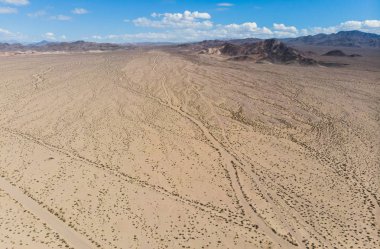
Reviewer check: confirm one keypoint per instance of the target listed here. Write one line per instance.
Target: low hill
(335, 52)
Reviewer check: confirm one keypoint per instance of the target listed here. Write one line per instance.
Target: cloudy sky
(180, 20)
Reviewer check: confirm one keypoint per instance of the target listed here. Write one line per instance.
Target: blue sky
(181, 20)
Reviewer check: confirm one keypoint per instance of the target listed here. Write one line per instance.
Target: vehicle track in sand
(267, 193)
(229, 161)
(296, 234)
(227, 216)
(240, 163)
(72, 237)
(39, 78)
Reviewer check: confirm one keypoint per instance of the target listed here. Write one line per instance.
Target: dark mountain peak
(41, 43)
(232, 49)
(357, 33)
(273, 44)
(350, 32)
(79, 42)
(271, 41)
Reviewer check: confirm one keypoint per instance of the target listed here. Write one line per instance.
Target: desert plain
(158, 148)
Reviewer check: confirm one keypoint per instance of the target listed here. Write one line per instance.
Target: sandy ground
(155, 149)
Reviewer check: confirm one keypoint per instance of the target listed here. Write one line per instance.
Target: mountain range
(341, 39)
(77, 46)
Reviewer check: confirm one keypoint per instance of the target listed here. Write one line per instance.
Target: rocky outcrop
(270, 50)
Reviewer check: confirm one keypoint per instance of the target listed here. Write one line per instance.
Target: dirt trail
(229, 161)
(235, 154)
(235, 161)
(70, 236)
(213, 211)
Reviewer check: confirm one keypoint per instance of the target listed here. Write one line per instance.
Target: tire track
(226, 215)
(39, 78)
(73, 238)
(230, 162)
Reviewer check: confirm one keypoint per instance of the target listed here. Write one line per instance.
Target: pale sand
(150, 149)
(73, 238)
(19, 228)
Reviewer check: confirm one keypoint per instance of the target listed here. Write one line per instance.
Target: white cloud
(198, 25)
(49, 36)
(61, 18)
(372, 23)
(36, 14)
(247, 26)
(225, 4)
(371, 26)
(141, 37)
(79, 11)
(190, 34)
(188, 26)
(15, 2)
(283, 27)
(247, 29)
(5, 32)
(366, 26)
(317, 30)
(351, 25)
(7, 35)
(231, 31)
(8, 10)
(186, 15)
(281, 30)
(186, 19)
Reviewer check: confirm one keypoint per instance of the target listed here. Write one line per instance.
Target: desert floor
(159, 149)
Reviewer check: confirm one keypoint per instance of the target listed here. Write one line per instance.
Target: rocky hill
(270, 50)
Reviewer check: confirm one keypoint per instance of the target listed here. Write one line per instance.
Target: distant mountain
(214, 43)
(341, 39)
(270, 50)
(77, 46)
(153, 44)
(41, 43)
(244, 41)
(11, 47)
